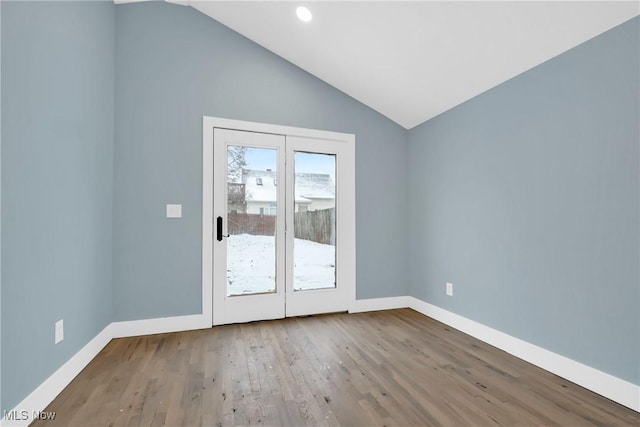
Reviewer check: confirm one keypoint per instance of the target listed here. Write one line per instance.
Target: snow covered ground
(251, 264)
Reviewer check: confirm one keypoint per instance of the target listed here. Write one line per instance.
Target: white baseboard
(376, 304)
(161, 325)
(52, 386)
(614, 388)
(607, 385)
(42, 396)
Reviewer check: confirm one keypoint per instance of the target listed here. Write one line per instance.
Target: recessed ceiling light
(304, 14)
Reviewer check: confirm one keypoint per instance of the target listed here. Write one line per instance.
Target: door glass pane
(314, 248)
(252, 201)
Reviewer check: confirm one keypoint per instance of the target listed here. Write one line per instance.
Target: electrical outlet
(450, 289)
(59, 331)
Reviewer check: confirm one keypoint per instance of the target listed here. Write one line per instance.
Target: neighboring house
(313, 191)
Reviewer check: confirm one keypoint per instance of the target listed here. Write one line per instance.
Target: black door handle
(219, 228)
(219, 234)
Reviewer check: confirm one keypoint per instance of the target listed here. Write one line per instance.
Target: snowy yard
(251, 264)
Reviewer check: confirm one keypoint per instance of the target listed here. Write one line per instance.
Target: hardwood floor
(382, 368)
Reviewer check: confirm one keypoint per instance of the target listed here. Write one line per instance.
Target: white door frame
(347, 184)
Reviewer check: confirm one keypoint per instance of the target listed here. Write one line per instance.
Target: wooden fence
(317, 226)
(255, 224)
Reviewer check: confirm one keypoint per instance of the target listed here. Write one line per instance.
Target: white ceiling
(411, 61)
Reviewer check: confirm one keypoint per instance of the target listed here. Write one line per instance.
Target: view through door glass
(314, 251)
(252, 204)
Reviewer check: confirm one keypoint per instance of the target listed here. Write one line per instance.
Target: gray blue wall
(57, 179)
(1, 406)
(527, 199)
(174, 65)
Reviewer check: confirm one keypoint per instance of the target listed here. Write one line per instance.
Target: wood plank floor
(386, 368)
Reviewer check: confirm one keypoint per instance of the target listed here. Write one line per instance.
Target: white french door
(317, 278)
(283, 225)
(249, 246)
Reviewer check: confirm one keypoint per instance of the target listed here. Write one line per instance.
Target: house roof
(315, 186)
(308, 186)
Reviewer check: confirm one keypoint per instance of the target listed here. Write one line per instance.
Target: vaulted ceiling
(413, 60)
